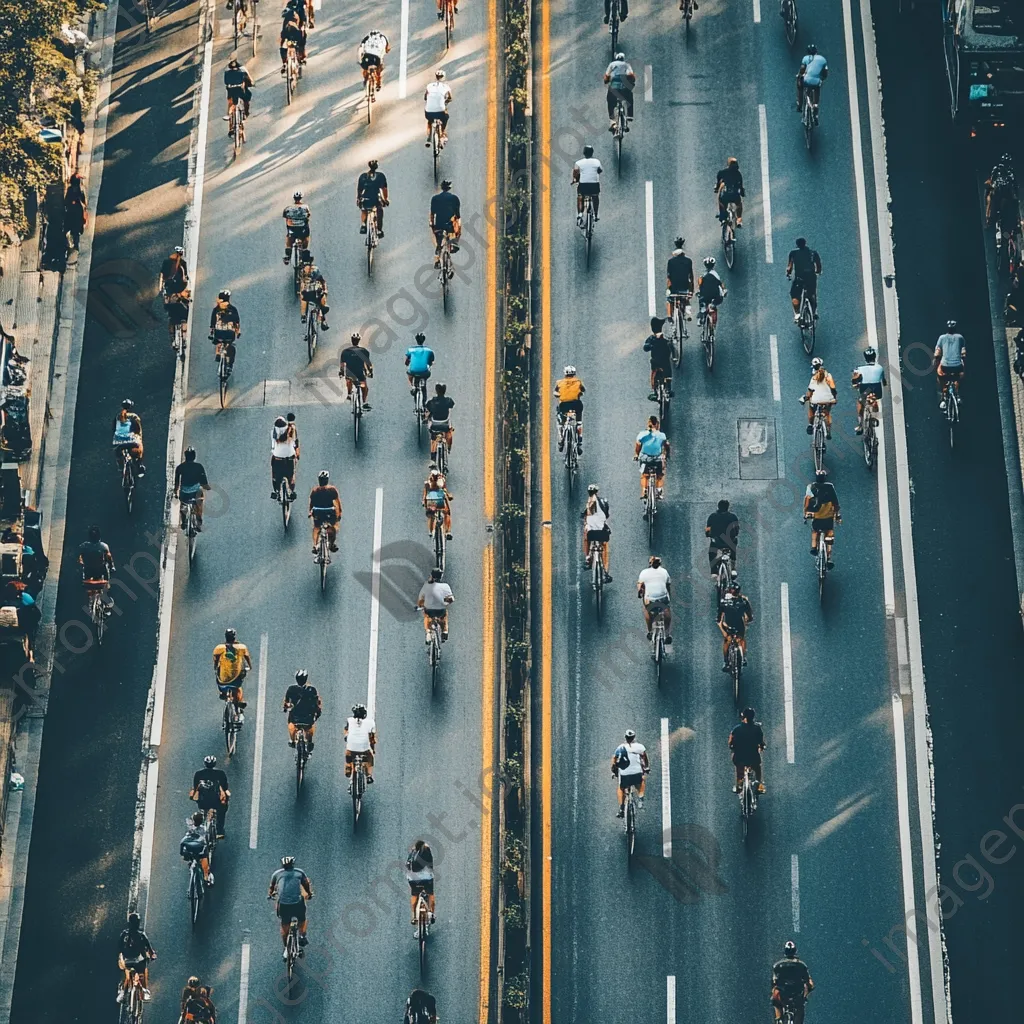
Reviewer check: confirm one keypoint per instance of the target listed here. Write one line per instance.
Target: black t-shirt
(324, 497)
(236, 78)
(290, 32)
(660, 349)
(95, 557)
(440, 408)
(175, 275)
(735, 611)
(421, 1005)
(224, 315)
(725, 528)
(371, 185)
(419, 860)
(190, 474)
(805, 263)
(680, 273)
(209, 782)
(747, 740)
(133, 945)
(354, 360)
(444, 206)
(305, 702)
(790, 976)
(731, 178)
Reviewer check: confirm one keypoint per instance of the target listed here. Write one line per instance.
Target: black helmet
(679, 242)
(287, 862)
(821, 476)
(436, 575)
(373, 165)
(127, 404)
(94, 533)
(440, 387)
(197, 819)
(657, 323)
(359, 711)
(748, 714)
(790, 949)
(323, 477)
(812, 49)
(354, 339)
(302, 677)
(307, 257)
(279, 422)
(801, 242)
(445, 185)
(134, 921)
(630, 735)
(950, 325)
(588, 152)
(234, 65)
(190, 454)
(210, 761)
(225, 295)
(230, 636)
(870, 354)
(420, 338)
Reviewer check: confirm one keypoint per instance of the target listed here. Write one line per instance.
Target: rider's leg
(605, 555)
(830, 537)
(643, 485)
(815, 540)
(739, 211)
(332, 536)
(860, 415)
(448, 524)
(200, 502)
(659, 480)
(668, 625)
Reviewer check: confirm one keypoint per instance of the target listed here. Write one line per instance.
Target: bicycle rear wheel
(255, 21)
(630, 826)
(449, 24)
(736, 670)
(791, 21)
(434, 655)
(822, 568)
(229, 727)
(195, 894)
(422, 939)
(729, 244)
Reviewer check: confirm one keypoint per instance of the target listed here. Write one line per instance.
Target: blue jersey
(813, 67)
(651, 443)
(420, 358)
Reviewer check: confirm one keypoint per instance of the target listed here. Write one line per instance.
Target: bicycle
(806, 321)
(819, 437)
(723, 572)
(190, 526)
(224, 368)
(312, 330)
(708, 324)
(210, 831)
(357, 786)
(230, 722)
(619, 133)
(596, 565)
(821, 560)
(128, 477)
(748, 800)
(196, 889)
(301, 758)
(435, 136)
(422, 927)
(372, 237)
(734, 659)
(449, 31)
(586, 224)
(629, 822)
(371, 93)
(240, 18)
(809, 118)
(676, 330)
(663, 394)
(729, 234)
(444, 270)
(687, 10)
(356, 398)
(178, 341)
(951, 396)
(658, 643)
(569, 444)
(441, 453)
(419, 405)
(869, 431)
(291, 948)
(297, 254)
(237, 131)
(434, 640)
(789, 18)
(650, 468)
(613, 24)
(439, 538)
(255, 23)
(98, 609)
(133, 1003)
(293, 71)
(323, 556)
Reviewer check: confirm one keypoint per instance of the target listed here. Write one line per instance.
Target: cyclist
(225, 327)
(438, 414)
(630, 764)
(372, 194)
(325, 510)
(418, 360)
(436, 98)
(623, 10)
(176, 306)
(710, 289)
(868, 379)
(296, 230)
(569, 391)
(734, 615)
(199, 1008)
(950, 359)
(437, 498)
(803, 269)
(189, 483)
(292, 34)
(1000, 186)
(434, 598)
(360, 738)
(231, 663)
(420, 1008)
(791, 984)
(652, 450)
(445, 218)
(291, 887)
(620, 79)
(746, 741)
(173, 273)
(679, 278)
(210, 790)
(312, 289)
(586, 176)
(134, 953)
(654, 588)
(193, 845)
(127, 429)
(821, 391)
(372, 48)
(419, 873)
(356, 368)
(97, 564)
(821, 506)
(189, 992)
(596, 528)
(729, 189)
(722, 530)
(813, 71)
(304, 707)
(284, 454)
(660, 349)
(238, 84)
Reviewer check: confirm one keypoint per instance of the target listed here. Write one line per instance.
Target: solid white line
(773, 344)
(371, 682)
(403, 52)
(794, 876)
(671, 999)
(757, 12)
(666, 795)
(648, 83)
(907, 859)
(243, 984)
(787, 677)
(649, 195)
(766, 191)
(148, 832)
(257, 740)
(925, 801)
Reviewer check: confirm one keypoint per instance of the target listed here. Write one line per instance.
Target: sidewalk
(45, 311)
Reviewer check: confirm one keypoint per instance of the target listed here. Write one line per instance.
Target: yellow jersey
(569, 389)
(230, 663)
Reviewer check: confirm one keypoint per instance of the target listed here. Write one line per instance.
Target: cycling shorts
(629, 781)
(286, 911)
(323, 516)
(418, 885)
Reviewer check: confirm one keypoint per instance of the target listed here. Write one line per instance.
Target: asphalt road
(710, 915)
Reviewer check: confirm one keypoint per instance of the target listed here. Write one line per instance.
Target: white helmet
(570, 371)
(439, 74)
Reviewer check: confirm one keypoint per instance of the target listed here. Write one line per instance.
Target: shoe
(367, 407)
(303, 941)
(648, 634)
(362, 229)
(607, 577)
(426, 145)
(284, 954)
(830, 564)
(369, 780)
(620, 813)
(725, 668)
(858, 430)
(596, 218)
(287, 260)
(241, 718)
(739, 223)
(120, 995)
(828, 433)
(209, 880)
(146, 995)
(660, 492)
(561, 446)
(624, 17)
(579, 220)
(437, 264)
(141, 471)
(273, 496)
(444, 638)
(735, 789)
(440, 17)
(291, 743)
(380, 234)
(226, 117)
(284, 70)
(760, 787)
(216, 357)
(611, 127)
(302, 318)
(292, 496)
(334, 547)
(455, 248)
(810, 429)
(640, 803)
(942, 405)
(668, 641)
(744, 661)
(325, 326)
(447, 536)
(652, 397)
(311, 746)
(606, 19)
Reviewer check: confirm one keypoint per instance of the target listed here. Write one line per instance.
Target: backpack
(622, 758)
(1018, 359)
(192, 847)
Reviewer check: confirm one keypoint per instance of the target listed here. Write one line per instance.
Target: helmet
(570, 371)
(230, 636)
(420, 338)
(812, 49)
(445, 185)
(190, 454)
(297, 196)
(440, 387)
(359, 711)
(127, 405)
(821, 476)
(817, 363)
(287, 862)
(592, 489)
(950, 325)
(630, 735)
(435, 575)
(732, 161)
(307, 258)
(654, 561)
(439, 75)
(134, 921)
(373, 165)
(279, 422)
(179, 250)
(322, 477)
(210, 761)
(197, 819)
(679, 242)
(354, 338)
(657, 323)
(440, 479)
(790, 949)
(801, 242)
(94, 533)
(870, 354)
(620, 56)
(709, 262)
(588, 151)
(193, 981)
(224, 296)
(748, 714)
(302, 677)
(233, 64)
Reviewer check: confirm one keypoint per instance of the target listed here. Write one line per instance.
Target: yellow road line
(487, 704)
(545, 490)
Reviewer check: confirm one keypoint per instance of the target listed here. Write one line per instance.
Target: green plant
(512, 772)
(515, 991)
(515, 853)
(514, 915)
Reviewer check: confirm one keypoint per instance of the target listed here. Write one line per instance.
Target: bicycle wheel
(597, 579)
(228, 725)
(652, 508)
(630, 826)
(289, 83)
(286, 507)
(292, 950)
(435, 142)
(822, 565)
(311, 335)
(442, 456)
(300, 761)
(322, 559)
(736, 671)
(357, 793)
(422, 937)
(236, 132)
(449, 24)
(222, 378)
(446, 268)
(790, 15)
(357, 412)
(808, 120)
(614, 28)
(369, 249)
(807, 324)
(128, 483)
(195, 893)
(434, 656)
(369, 96)
(192, 534)
(729, 244)
(439, 545)
(255, 20)
(952, 415)
(709, 348)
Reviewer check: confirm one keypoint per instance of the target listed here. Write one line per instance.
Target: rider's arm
(645, 761)
(666, 450)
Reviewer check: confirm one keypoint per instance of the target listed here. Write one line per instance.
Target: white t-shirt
(437, 97)
(282, 447)
(821, 393)
(633, 750)
(597, 520)
(655, 582)
(358, 739)
(376, 43)
(434, 596)
(590, 170)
